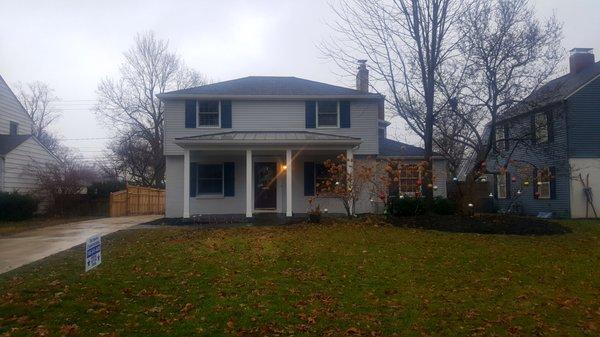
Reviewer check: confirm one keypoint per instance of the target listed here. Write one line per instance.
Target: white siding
(12, 110)
(584, 166)
(18, 166)
(275, 115)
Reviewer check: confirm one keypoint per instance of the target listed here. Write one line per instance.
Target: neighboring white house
(257, 144)
(19, 150)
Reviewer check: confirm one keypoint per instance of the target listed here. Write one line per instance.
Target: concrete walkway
(26, 247)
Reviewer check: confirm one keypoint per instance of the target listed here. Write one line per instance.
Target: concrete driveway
(26, 247)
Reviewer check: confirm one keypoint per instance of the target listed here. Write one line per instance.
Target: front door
(265, 185)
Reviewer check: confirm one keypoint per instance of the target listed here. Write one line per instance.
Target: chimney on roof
(580, 59)
(362, 77)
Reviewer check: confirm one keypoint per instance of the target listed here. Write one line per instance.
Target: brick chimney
(580, 59)
(362, 77)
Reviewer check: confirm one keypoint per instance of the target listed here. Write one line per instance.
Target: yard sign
(93, 252)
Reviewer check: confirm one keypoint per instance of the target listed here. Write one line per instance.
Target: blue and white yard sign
(93, 252)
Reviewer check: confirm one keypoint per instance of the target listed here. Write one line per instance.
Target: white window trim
(198, 126)
(541, 183)
(328, 126)
(210, 195)
(498, 186)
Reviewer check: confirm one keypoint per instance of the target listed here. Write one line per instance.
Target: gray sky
(73, 44)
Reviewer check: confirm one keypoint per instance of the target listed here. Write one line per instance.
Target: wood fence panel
(137, 200)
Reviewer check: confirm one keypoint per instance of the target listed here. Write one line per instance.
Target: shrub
(410, 206)
(443, 206)
(15, 206)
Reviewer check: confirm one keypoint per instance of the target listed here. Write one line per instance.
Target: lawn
(359, 278)
(14, 227)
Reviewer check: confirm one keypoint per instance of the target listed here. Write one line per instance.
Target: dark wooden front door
(265, 185)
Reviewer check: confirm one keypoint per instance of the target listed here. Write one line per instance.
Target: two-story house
(549, 142)
(257, 144)
(19, 150)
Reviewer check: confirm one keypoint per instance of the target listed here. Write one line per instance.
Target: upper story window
(209, 114)
(328, 114)
(14, 128)
(541, 128)
(502, 137)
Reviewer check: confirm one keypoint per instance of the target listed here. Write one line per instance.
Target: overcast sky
(73, 44)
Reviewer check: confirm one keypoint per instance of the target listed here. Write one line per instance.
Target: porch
(252, 173)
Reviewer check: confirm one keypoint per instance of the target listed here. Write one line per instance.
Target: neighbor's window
(210, 179)
(321, 178)
(501, 139)
(327, 114)
(14, 128)
(501, 185)
(541, 127)
(209, 114)
(544, 178)
(409, 179)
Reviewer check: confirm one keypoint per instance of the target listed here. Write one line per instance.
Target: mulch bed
(483, 224)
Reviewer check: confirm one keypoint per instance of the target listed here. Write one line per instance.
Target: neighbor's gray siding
(541, 155)
(275, 115)
(12, 110)
(584, 122)
(19, 165)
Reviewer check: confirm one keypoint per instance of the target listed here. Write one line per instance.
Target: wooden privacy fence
(137, 201)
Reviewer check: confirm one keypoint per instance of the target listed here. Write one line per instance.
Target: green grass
(336, 279)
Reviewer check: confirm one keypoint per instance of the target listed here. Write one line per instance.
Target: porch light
(283, 167)
(483, 180)
(539, 183)
(325, 210)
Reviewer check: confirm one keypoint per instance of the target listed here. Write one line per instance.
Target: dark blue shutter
(193, 179)
(535, 181)
(229, 179)
(190, 113)
(309, 178)
(226, 114)
(344, 114)
(311, 114)
(550, 126)
(553, 181)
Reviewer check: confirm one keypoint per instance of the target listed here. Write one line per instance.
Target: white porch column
(349, 170)
(186, 183)
(249, 183)
(288, 182)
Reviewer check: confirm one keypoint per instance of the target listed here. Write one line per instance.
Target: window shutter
(229, 179)
(309, 178)
(226, 114)
(495, 186)
(311, 114)
(193, 179)
(533, 135)
(552, 183)
(535, 181)
(550, 119)
(344, 114)
(507, 185)
(190, 113)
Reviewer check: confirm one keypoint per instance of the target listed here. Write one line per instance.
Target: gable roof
(268, 86)
(5, 85)
(11, 142)
(393, 148)
(555, 91)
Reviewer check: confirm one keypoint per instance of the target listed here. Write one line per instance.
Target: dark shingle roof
(269, 86)
(554, 91)
(9, 143)
(392, 148)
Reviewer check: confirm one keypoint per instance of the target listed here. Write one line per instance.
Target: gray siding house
(548, 141)
(19, 150)
(255, 144)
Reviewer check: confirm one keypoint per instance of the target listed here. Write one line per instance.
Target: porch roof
(268, 138)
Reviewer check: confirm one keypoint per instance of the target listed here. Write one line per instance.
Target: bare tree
(511, 53)
(129, 105)
(38, 99)
(408, 44)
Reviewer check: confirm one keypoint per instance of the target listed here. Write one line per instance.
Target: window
(409, 179)
(210, 179)
(14, 128)
(544, 177)
(501, 185)
(501, 137)
(209, 114)
(321, 178)
(328, 113)
(541, 128)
